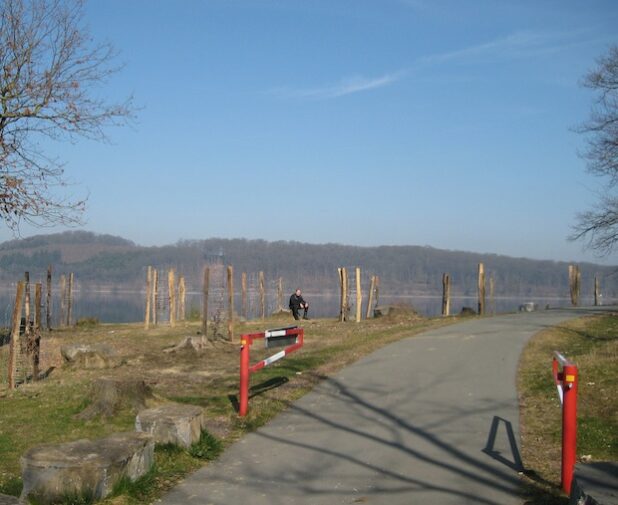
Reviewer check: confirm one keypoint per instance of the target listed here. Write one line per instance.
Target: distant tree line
(112, 261)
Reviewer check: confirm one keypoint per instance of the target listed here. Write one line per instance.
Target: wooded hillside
(105, 260)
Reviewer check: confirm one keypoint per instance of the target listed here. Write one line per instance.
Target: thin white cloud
(522, 44)
(348, 86)
(516, 45)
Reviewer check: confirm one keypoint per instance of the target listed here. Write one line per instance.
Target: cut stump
(172, 423)
(112, 395)
(87, 469)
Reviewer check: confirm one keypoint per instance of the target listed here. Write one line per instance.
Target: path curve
(431, 419)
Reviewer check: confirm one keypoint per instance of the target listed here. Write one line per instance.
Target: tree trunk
(205, 289)
(15, 324)
(171, 292)
(359, 295)
(481, 289)
(446, 294)
(230, 303)
(48, 306)
(148, 297)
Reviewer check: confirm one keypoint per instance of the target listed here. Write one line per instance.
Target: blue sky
(441, 123)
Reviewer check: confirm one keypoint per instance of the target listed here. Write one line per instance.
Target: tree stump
(112, 395)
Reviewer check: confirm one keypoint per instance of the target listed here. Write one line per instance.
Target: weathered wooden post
(578, 283)
(155, 296)
(372, 287)
(446, 294)
(230, 303)
(574, 280)
(262, 296)
(48, 305)
(597, 292)
(182, 298)
(481, 289)
(205, 289)
(359, 295)
(171, 293)
(15, 324)
(70, 300)
(279, 294)
(27, 326)
(148, 297)
(243, 295)
(36, 336)
(63, 300)
(344, 295)
(377, 290)
(492, 303)
(341, 312)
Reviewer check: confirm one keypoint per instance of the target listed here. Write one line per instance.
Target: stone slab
(595, 484)
(172, 423)
(10, 500)
(85, 467)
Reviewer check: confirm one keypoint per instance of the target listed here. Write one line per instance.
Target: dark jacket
(295, 301)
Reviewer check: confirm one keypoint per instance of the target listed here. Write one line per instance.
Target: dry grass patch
(592, 344)
(46, 412)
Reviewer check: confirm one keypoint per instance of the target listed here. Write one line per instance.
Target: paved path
(429, 420)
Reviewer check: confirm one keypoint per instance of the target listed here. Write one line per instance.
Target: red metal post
(569, 424)
(244, 377)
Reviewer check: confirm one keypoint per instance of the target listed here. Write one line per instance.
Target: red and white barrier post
(565, 377)
(292, 337)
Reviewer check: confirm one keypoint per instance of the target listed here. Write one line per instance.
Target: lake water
(125, 306)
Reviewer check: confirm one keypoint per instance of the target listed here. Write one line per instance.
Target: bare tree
(600, 224)
(50, 72)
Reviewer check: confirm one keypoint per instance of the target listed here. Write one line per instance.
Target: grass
(592, 344)
(45, 412)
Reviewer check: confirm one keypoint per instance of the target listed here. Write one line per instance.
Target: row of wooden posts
(177, 291)
(574, 288)
(30, 322)
(176, 295)
(344, 290)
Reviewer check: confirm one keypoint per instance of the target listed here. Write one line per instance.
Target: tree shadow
(259, 389)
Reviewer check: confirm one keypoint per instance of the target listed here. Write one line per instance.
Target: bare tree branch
(49, 73)
(599, 226)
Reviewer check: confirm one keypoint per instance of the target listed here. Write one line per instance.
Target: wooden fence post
(171, 293)
(446, 294)
(230, 303)
(15, 324)
(492, 303)
(148, 297)
(279, 294)
(359, 295)
(182, 298)
(243, 295)
(574, 283)
(340, 273)
(63, 300)
(597, 292)
(481, 289)
(344, 295)
(155, 296)
(377, 290)
(27, 326)
(48, 305)
(36, 336)
(262, 296)
(372, 287)
(70, 300)
(578, 282)
(205, 289)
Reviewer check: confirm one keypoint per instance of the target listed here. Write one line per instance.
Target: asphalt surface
(432, 419)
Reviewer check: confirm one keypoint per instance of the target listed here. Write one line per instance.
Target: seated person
(297, 303)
